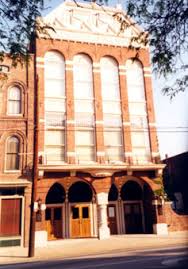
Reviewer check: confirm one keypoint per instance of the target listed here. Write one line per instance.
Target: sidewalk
(72, 248)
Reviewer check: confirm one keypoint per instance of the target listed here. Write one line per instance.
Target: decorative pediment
(90, 23)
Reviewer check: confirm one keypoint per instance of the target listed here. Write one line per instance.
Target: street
(171, 257)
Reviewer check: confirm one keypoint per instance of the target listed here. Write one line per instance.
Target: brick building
(98, 148)
(98, 152)
(16, 151)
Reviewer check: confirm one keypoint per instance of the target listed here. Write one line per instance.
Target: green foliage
(17, 25)
(167, 24)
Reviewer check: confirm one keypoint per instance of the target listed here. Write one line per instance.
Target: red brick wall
(175, 221)
(95, 52)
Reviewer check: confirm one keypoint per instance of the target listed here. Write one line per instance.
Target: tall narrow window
(113, 140)
(54, 107)
(14, 101)
(138, 112)
(12, 153)
(84, 108)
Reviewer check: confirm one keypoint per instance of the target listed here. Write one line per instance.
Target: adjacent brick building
(16, 150)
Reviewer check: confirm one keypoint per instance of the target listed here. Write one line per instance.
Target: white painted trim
(69, 62)
(99, 122)
(155, 154)
(68, 68)
(40, 66)
(147, 69)
(96, 70)
(128, 154)
(123, 67)
(96, 64)
(70, 121)
(40, 59)
(126, 123)
(100, 153)
(153, 124)
(122, 73)
(71, 153)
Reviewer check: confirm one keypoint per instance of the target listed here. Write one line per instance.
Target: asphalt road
(149, 259)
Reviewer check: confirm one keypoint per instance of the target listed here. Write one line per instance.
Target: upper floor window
(12, 153)
(14, 101)
(135, 81)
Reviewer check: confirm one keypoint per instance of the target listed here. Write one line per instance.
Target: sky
(171, 116)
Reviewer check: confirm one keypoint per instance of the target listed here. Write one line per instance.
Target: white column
(102, 201)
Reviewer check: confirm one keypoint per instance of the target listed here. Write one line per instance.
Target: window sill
(12, 171)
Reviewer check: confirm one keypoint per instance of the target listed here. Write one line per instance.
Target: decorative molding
(90, 23)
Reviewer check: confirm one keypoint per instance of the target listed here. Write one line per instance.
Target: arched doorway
(54, 214)
(80, 198)
(112, 209)
(132, 196)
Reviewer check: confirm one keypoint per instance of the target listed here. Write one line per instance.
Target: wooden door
(133, 218)
(10, 219)
(112, 220)
(80, 221)
(54, 223)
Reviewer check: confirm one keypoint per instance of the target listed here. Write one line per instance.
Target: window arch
(14, 100)
(84, 108)
(13, 153)
(54, 74)
(113, 140)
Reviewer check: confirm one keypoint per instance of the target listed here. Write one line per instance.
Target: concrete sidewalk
(77, 248)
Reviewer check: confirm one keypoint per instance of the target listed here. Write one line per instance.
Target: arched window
(54, 74)
(137, 111)
(14, 100)
(111, 109)
(84, 108)
(12, 153)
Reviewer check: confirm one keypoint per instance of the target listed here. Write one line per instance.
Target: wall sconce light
(38, 208)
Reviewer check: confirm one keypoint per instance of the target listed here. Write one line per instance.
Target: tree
(17, 25)
(167, 25)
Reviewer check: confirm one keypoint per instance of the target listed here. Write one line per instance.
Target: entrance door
(112, 222)
(80, 221)
(133, 218)
(54, 222)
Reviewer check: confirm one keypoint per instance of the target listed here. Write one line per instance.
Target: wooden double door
(80, 220)
(133, 218)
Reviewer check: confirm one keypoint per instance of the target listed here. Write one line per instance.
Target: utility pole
(31, 251)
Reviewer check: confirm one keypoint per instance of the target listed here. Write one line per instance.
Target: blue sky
(171, 116)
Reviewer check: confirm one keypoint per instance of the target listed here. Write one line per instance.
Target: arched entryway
(132, 207)
(54, 214)
(80, 196)
(112, 209)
